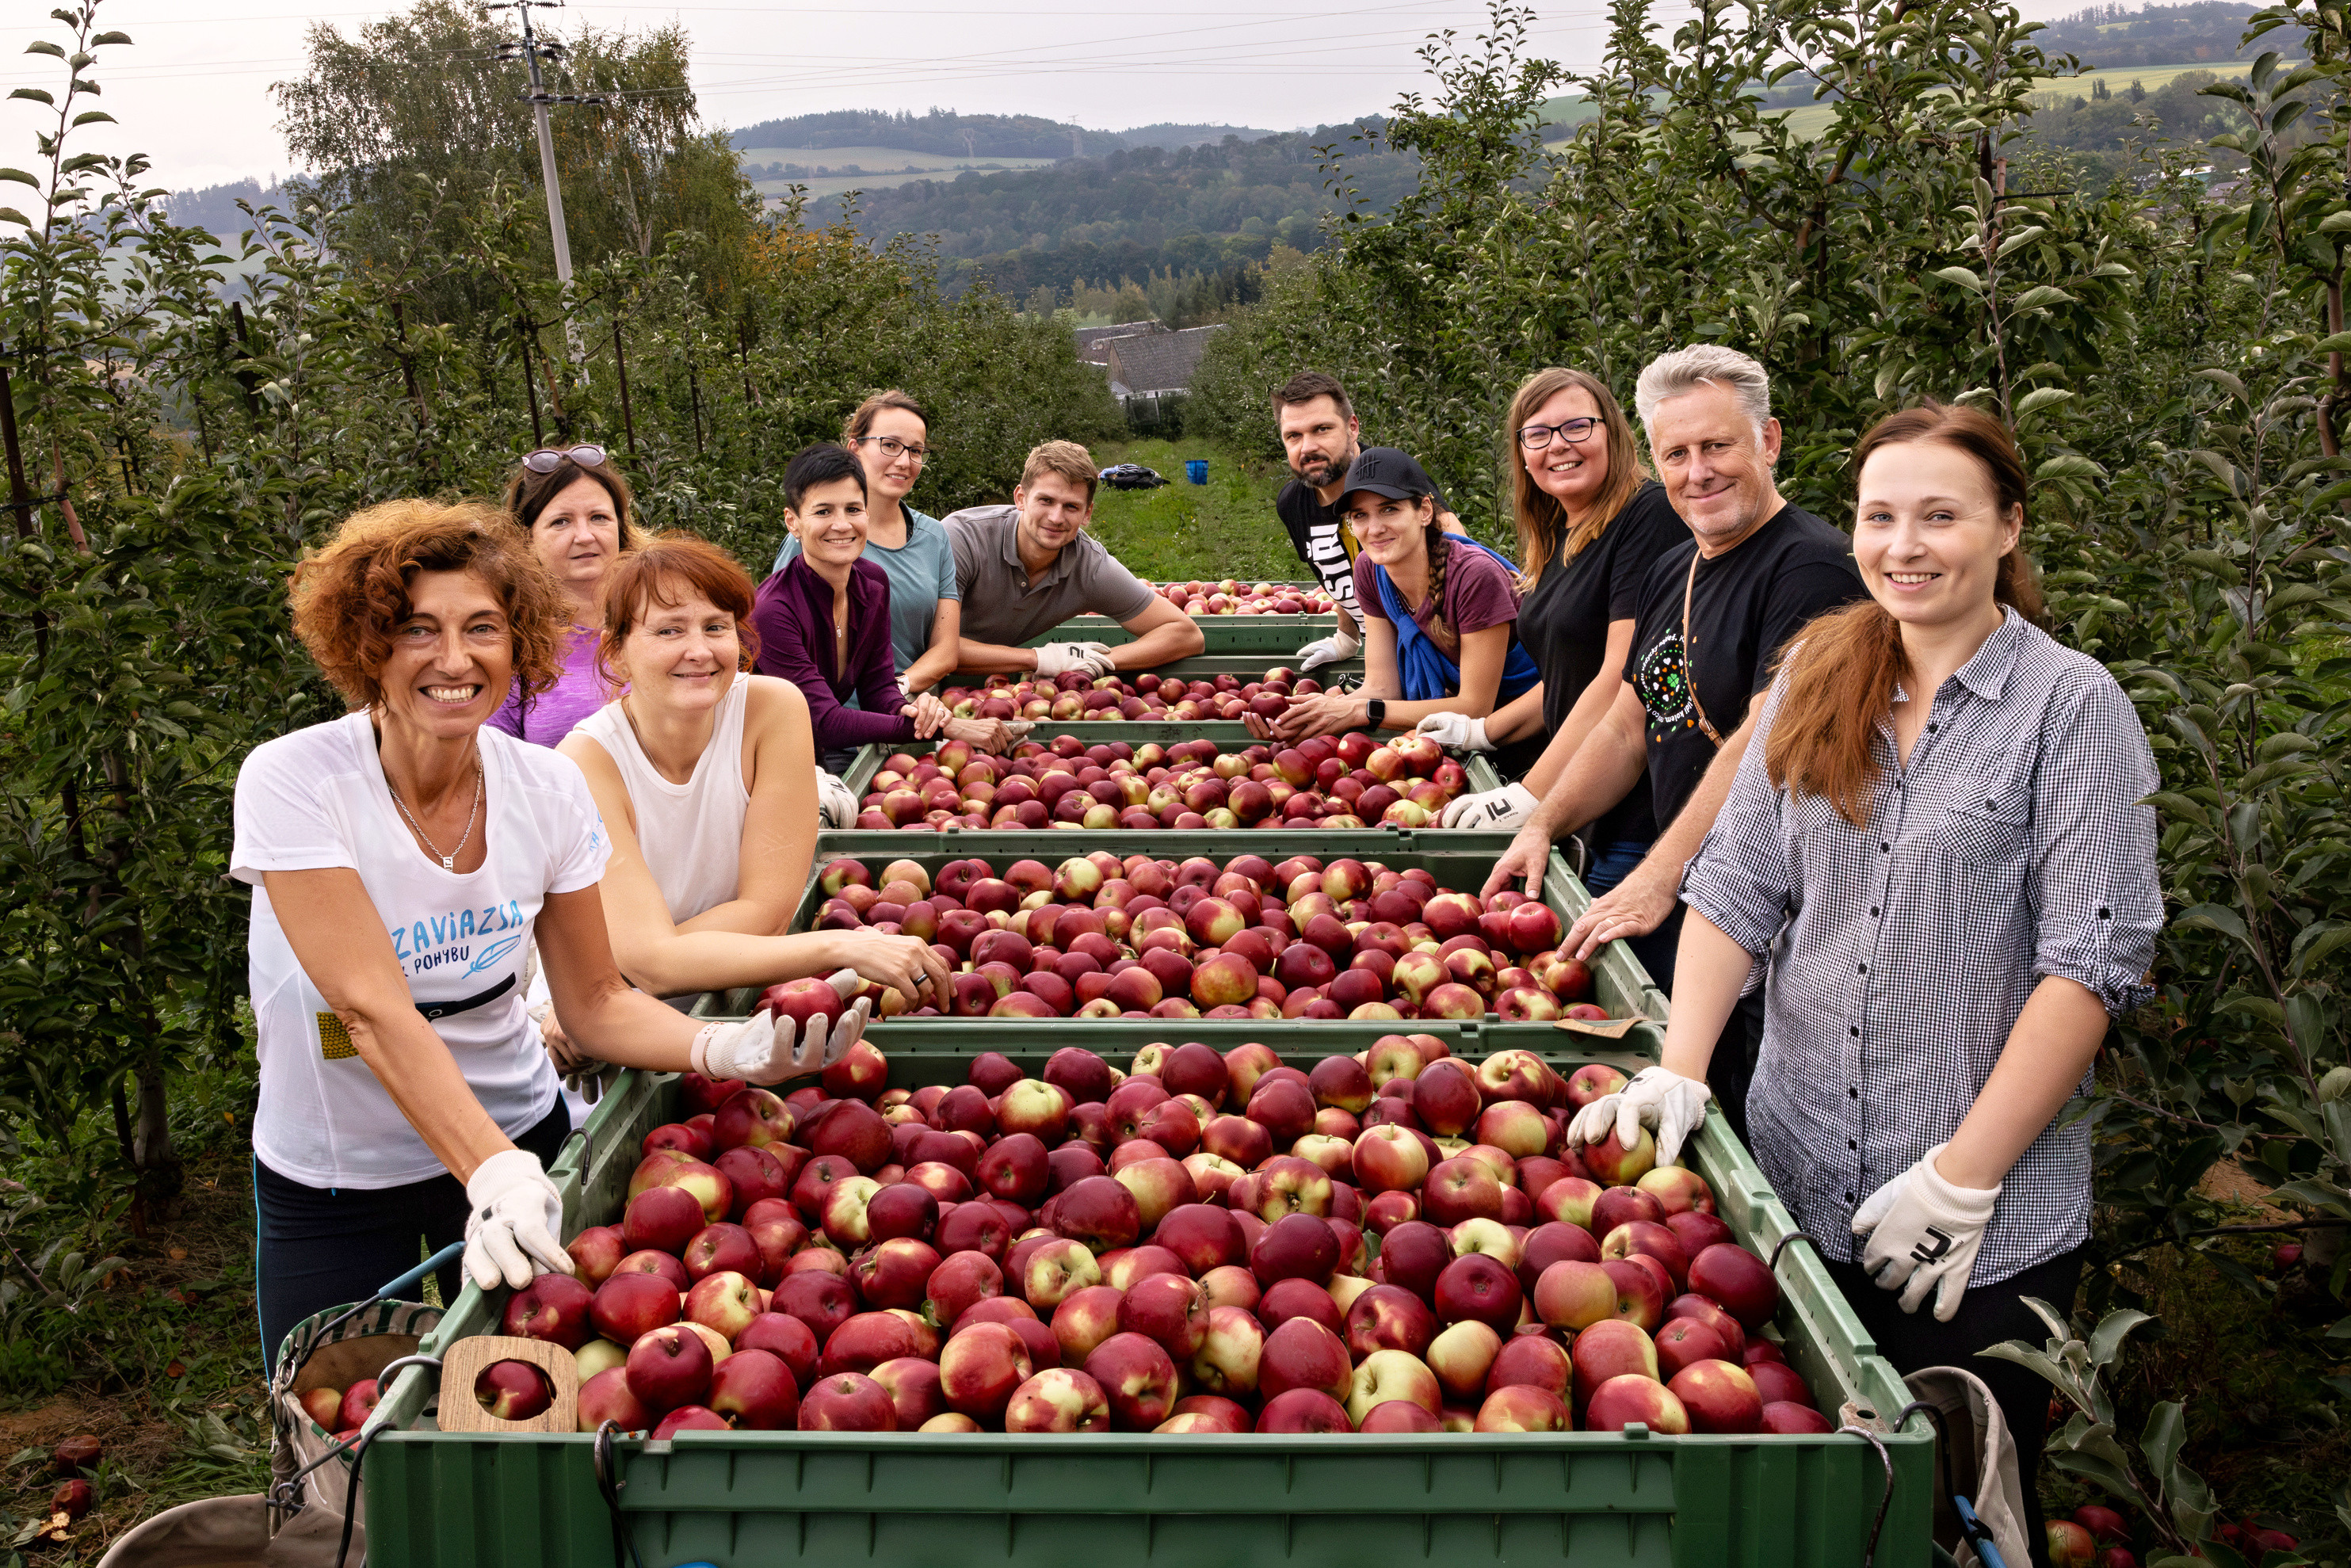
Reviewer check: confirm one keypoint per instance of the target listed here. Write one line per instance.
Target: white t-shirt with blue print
(318, 798)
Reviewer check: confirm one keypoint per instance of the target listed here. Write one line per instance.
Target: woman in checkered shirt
(1937, 861)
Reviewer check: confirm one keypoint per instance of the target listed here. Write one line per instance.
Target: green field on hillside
(1562, 115)
(895, 160)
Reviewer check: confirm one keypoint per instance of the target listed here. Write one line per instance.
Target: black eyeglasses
(892, 447)
(1535, 437)
(546, 459)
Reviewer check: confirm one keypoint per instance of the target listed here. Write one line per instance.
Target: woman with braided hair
(1440, 614)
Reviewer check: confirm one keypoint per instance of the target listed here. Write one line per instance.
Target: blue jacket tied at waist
(1426, 672)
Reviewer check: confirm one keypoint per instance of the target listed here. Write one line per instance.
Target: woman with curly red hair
(404, 857)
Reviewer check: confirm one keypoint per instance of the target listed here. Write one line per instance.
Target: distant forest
(215, 206)
(2111, 36)
(1131, 213)
(943, 131)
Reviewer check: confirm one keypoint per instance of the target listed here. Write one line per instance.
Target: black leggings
(316, 1248)
(1988, 1315)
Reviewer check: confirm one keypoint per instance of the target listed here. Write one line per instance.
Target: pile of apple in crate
(1102, 937)
(1394, 1241)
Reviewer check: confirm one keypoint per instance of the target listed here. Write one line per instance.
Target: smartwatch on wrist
(1375, 712)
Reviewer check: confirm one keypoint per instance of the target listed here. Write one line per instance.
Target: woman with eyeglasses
(1591, 523)
(578, 513)
(890, 434)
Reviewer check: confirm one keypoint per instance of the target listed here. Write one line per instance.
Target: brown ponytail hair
(1440, 550)
(1542, 520)
(1843, 667)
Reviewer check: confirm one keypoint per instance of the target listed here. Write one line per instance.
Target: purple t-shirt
(579, 691)
(1479, 592)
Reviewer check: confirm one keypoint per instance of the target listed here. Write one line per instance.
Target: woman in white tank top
(705, 776)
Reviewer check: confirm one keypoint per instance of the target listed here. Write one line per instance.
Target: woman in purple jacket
(824, 622)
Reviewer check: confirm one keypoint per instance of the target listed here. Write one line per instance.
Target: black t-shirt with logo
(1744, 606)
(1563, 621)
(1321, 540)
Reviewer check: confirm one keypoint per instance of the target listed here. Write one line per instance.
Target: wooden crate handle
(463, 1363)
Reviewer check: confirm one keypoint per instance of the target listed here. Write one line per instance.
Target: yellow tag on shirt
(334, 1040)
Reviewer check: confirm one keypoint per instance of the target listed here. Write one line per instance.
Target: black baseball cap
(1386, 471)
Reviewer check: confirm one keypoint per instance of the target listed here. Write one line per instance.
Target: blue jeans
(1613, 862)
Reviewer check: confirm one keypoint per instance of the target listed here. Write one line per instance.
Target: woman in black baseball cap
(1439, 614)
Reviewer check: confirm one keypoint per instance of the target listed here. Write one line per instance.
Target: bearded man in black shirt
(1713, 615)
(1321, 437)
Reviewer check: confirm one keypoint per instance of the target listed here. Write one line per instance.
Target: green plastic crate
(1254, 634)
(1248, 666)
(1229, 737)
(440, 1500)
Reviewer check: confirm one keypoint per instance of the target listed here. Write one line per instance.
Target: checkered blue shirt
(2016, 845)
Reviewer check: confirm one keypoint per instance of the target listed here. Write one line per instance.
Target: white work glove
(1017, 730)
(1923, 1235)
(836, 803)
(1062, 658)
(760, 1051)
(1657, 1098)
(1491, 811)
(1340, 645)
(513, 1212)
(1456, 729)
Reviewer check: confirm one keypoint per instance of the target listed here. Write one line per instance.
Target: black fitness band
(434, 1010)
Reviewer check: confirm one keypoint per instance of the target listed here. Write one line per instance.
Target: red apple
(1793, 1420)
(1740, 1281)
(847, 1402)
(1684, 1342)
(1302, 1353)
(630, 1305)
(1522, 1407)
(1170, 1308)
(786, 1338)
(1460, 1188)
(668, 1367)
(756, 1392)
(1478, 1287)
(1641, 1294)
(1058, 1399)
(553, 1307)
(1301, 1410)
(1461, 1357)
(606, 1397)
(1389, 1317)
(1726, 1327)
(1778, 1383)
(1608, 1349)
(981, 1367)
(1137, 1375)
(1623, 1401)
(1231, 1347)
(1718, 1398)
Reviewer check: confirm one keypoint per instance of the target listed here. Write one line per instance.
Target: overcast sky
(194, 93)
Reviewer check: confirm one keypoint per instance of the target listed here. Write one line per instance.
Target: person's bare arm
(1709, 972)
(993, 658)
(1591, 705)
(1483, 653)
(1521, 716)
(1163, 634)
(937, 662)
(603, 1018)
(1640, 904)
(338, 938)
(1606, 768)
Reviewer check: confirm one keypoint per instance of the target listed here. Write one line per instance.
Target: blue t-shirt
(922, 572)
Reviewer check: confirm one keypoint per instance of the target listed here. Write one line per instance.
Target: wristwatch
(1375, 712)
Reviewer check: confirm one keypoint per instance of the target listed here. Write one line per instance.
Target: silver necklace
(449, 861)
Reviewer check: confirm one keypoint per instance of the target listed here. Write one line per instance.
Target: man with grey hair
(1710, 618)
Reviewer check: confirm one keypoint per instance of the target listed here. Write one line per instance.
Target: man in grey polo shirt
(1027, 567)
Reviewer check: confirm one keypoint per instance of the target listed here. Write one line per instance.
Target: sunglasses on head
(547, 458)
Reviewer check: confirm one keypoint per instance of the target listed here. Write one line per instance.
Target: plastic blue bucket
(1195, 469)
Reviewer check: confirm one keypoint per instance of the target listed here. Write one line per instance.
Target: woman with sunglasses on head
(889, 434)
(1591, 523)
(580, 514)
(1939, 859)
(402, 860)
(1440, 613)
(705, 776)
